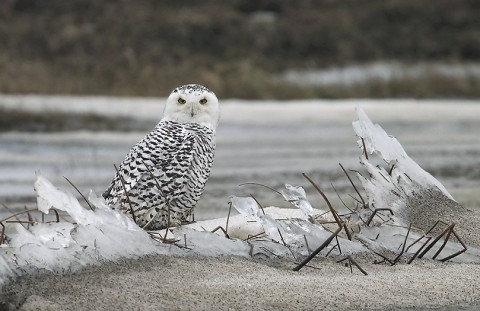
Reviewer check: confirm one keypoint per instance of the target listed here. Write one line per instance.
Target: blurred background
(82, 80)
(274, 49)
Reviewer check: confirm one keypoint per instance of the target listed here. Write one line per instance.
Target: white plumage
(165, 173)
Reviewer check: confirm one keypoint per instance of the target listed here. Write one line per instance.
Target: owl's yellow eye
(203, 101)
(181, 101)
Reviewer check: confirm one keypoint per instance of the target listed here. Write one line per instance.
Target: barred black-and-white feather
(165, 173)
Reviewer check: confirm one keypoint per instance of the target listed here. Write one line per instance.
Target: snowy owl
(164, 174)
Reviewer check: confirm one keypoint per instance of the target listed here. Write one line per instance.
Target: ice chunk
(248, 207)
(377, 140)
(296, 195)
(94, 236)
(50, 196)
(291, 232)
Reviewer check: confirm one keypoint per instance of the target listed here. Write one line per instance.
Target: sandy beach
(228, 283)
(167, 282)
(272, 154)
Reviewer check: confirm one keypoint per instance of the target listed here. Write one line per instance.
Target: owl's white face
(192, 103)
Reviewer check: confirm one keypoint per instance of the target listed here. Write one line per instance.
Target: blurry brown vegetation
(237, 48)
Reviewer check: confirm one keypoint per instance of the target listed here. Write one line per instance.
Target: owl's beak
(192, 112)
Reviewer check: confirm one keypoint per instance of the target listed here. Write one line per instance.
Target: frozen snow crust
(402, 204)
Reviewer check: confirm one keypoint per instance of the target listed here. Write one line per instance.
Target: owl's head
(192, 103)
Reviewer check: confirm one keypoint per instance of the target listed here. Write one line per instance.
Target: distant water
(271, 151)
